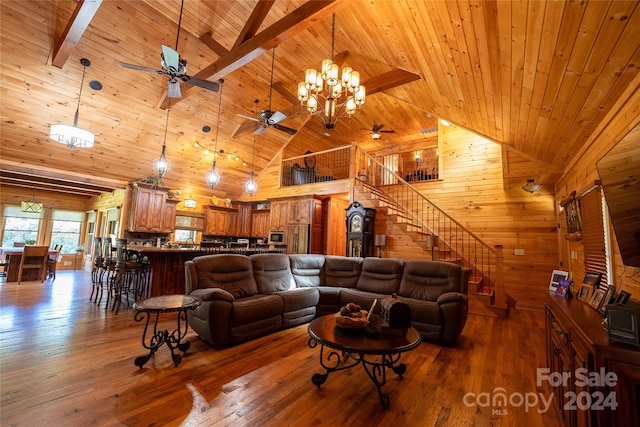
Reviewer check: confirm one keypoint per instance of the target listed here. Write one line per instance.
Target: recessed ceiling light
(95, 85)
(206, 128)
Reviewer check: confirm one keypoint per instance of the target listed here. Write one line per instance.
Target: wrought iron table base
(376, 370)
(160, 337)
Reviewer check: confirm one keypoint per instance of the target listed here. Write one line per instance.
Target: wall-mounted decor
(572, 215)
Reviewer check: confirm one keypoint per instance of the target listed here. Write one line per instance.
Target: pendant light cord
(273, 61)
(75, 118)
(221, 81)
(333, 35)
(166, 126)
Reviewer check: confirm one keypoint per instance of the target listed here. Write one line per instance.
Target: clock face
(356, 224)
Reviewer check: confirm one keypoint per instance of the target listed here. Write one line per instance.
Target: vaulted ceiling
(534, 76)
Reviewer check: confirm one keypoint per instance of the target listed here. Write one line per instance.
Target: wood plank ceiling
(534, 76)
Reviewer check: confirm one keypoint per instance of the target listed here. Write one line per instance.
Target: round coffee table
(347, 348)
(165, 304)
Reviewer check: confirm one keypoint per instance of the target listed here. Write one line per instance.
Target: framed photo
(556, 276)
(608, 299)
(591, 278)
(563, 288)
(585, 292)
(596, 298)
(623, 297)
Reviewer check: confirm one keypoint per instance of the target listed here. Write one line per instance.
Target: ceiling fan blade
(205, 84)
(288, 130)
(139, 68)
(260, 130)
(173, 89)
(276, 117)
(249, 118)
(387, 131)
(171, 59)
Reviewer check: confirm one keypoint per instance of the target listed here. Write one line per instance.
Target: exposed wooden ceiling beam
(212, 44)
(297, 21)
(82, 15)
(255, 20)
(389, 80)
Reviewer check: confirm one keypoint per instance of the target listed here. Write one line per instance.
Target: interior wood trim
(253, 23)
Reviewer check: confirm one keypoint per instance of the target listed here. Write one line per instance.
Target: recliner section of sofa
(240, 294)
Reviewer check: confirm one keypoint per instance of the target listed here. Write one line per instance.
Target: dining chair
(4, 265)
(34, 257)
(52, 262)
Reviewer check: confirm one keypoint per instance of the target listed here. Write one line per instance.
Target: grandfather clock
(360, 221)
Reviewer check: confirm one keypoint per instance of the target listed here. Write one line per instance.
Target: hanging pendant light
(333, 94)
(213, 177)
(73, 136)
(251, 185)
(161, 165)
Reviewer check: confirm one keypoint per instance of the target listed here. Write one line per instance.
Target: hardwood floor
(66, 361)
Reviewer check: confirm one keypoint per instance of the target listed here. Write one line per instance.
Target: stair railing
(433, 227)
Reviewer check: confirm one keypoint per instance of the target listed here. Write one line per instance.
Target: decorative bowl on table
(351, 316)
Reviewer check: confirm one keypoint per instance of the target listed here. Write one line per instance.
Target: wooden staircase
(424, 223)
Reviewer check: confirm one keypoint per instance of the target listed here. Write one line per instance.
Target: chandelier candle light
(342, 96)
(73, 136)
(213, 177)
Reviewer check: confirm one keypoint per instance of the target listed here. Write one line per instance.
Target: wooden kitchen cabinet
(151, 211)
(260, 223)
(278, 215)
(220, 221)
(578, 348)
(244, 220)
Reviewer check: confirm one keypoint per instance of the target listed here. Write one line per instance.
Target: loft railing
(435, 229)
(321, 166)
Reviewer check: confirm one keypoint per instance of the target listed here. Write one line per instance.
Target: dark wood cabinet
(602, 380)
(260, 223)
(360, 223)
(151, 211)
(244, 220)
(302, 220)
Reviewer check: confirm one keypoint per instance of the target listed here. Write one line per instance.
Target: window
(65, 230)
(184, 235)
(20, 226)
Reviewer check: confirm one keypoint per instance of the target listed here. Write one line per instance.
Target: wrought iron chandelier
(333, 96)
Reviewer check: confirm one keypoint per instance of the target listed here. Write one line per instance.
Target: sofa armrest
(454, 307)
(451, 297)
(213, 294)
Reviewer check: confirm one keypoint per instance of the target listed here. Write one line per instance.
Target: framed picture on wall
(623, 297)
(556, 277)
(572, 212)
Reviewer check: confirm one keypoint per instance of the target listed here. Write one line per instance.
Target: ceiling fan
(269, 118)
(175, 67)
(376, 130)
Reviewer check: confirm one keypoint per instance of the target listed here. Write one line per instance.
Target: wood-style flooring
(65, 361)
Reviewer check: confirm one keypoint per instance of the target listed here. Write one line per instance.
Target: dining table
(14, 255)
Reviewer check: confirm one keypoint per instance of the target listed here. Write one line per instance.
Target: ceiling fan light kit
(343, 95)
(73, 136)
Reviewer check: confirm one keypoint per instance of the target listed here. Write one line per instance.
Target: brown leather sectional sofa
(247, 297)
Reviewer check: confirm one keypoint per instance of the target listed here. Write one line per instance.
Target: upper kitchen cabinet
(151, 211)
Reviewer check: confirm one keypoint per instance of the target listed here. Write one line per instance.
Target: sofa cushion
(295, 299)
(425, 312)
(342, 271)
(255, 308)
(231, 272)
(380, 275)
(427, 280)
(271, 272)
(307, 269)
(362, 298)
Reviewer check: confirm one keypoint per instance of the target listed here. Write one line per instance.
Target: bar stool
(131, 277)
(107, 271)
(96, 268)
(52, 262)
